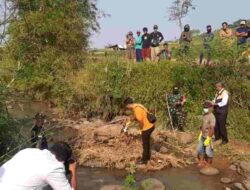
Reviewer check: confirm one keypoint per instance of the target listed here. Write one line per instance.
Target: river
(94, 178)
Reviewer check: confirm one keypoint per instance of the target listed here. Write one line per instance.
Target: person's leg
(158, 50)
(209, 55)
(223, 129)
(146, 144)
(201, 57)
(144, 54)
(153, 54)
(149, 54)
(174, 120)
(209, 153)
(140, 55)
(201, 152)
(137, 55)
(180, 121)
(217, 127)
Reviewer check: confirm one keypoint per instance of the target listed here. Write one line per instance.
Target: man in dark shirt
(242, 34)
(38, 138)
(146, 42)
(156, 39)
(185, 40)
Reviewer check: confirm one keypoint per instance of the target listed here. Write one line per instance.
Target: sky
(133, 15)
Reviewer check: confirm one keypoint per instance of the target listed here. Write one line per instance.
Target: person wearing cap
(185, 40)
(221, 105)
(140, 114)
(38, 137)
(146, 43)
(156, 39)
(130, 43)
(138, 47)
(165, 53)
(205, 147)
(242, 34)
(33, 169)
(176, 102)
(207, 47)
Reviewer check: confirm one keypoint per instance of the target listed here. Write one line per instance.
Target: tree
(179, 10)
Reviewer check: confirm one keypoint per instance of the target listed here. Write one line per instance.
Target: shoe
(142, 162)
(224, 142)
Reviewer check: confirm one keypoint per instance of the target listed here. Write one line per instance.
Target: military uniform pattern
(176, 111)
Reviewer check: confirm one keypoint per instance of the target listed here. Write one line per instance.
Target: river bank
(99, 145)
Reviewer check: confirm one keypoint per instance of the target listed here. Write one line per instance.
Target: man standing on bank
(220, 103)
(141, 114)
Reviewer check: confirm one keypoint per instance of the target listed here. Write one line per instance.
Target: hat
(243, 22)
(138, 31)
(207, 104)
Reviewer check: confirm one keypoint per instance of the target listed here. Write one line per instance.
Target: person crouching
(205, 148)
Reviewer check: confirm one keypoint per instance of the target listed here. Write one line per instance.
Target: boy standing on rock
(205, 148)
(141, 114)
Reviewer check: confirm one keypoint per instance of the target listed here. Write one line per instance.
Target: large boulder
(245, 166)
(111, 187)
(152, 184)
(185, 138)
(209, 171)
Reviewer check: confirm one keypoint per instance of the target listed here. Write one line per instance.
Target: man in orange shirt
(141, 115)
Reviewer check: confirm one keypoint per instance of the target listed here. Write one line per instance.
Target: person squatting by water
(34, 169)
(221, 105)
(141, 114)
(38, 137)
(205, 147)
(176, 102)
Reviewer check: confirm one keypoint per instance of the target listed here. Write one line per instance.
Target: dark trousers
(146, 144)
(138, 53)
(220, 127)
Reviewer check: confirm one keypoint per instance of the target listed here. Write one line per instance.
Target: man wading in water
(146, 121)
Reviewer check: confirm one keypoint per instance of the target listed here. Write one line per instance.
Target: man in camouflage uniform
(176, 102)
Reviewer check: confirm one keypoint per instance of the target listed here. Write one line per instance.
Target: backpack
(151, 117)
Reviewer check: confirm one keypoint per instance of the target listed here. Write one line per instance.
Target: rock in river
(245, 166)
(209, 171)
(238, 186)
(226, 180)
(151, 184)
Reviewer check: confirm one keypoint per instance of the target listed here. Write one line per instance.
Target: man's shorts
(146, 53)
(205, 150)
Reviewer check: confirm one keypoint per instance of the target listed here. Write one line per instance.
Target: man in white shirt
(34, 169)
(220, 103)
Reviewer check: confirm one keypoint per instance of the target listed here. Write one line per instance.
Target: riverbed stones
(185, 138)
(247, 184)
(163, 150)
(111, 187)
(226, 180)
(245, 166)
(209, 171)
(233, 167)
(151, 184)
(238, 186)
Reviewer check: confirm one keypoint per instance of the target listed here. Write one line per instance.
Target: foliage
(130, 182)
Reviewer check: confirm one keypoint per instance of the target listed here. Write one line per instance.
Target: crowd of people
(213, 127)
(151, 46)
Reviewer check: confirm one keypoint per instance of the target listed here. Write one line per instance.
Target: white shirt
(223, 94)
(33, 169)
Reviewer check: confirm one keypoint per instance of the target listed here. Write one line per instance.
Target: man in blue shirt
(242, 34)
(138, 47)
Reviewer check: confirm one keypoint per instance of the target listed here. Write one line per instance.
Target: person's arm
(224, 100)
(57, 179)
(73, 170)
(161, 37)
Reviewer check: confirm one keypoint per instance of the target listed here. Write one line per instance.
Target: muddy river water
(95, 178)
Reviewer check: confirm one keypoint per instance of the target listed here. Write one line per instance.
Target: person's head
(138, 32)
(62, 151)
(165, 44)
(39, 119)
(130, 33)
(145, 30)
(207, 107)
(128, 102)
(219, 86)
(187, 28)
(243, 23)
(224, 25)
(209, 28)
(176, 90)
(155, 28)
